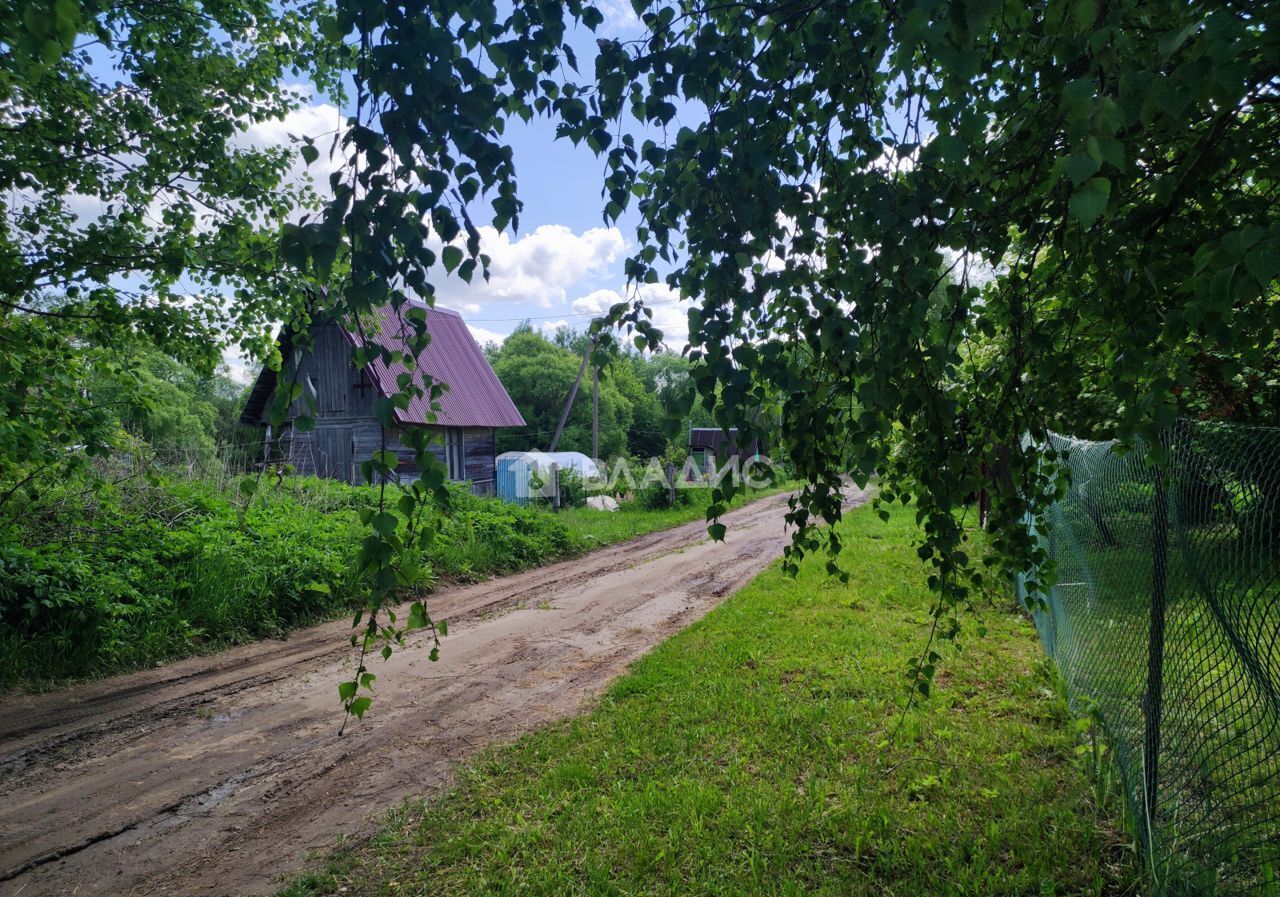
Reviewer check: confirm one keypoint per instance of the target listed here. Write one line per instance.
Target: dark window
(455, 454)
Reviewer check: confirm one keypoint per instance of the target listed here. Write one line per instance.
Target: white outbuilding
(525, 475)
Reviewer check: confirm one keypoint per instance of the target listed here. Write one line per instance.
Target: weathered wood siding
(326, 372)
(368, 439)
(296, 448)
(481, 458)
(346, 431)
(325, 451)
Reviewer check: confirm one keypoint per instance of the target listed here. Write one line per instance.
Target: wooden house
(347, 432)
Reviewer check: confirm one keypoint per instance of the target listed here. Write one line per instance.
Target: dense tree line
(636, 388)
(135, 218)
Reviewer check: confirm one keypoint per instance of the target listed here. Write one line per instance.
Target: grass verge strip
(760, 752)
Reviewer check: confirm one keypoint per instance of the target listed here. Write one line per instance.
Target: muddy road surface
(219, 775)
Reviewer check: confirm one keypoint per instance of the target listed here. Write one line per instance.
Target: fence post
(555, 486)
(1153, 700)
(670, 471)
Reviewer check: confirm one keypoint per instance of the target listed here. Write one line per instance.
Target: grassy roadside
(759, 751)
(142, 572)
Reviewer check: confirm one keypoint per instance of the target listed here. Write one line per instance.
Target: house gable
(473, 396)
(346, 429)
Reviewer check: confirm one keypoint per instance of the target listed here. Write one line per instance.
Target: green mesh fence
(1164, 619)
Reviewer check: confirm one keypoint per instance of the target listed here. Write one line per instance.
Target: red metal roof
(475, 396)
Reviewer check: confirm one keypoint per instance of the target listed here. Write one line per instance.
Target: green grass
(764, 751)
(593, 529)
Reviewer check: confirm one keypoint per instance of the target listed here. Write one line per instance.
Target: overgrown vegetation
(105, 579)
(95, 581)
(765, 750)
(918, 231)
(136, 214)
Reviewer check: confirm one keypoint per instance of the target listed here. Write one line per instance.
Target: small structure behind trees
(523, 476)
(711, 446)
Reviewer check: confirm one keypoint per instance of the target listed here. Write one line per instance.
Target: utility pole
(595, 411)
(573, 394)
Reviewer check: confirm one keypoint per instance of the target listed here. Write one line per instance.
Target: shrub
(94, 583)
(657, 497)
(573, 490)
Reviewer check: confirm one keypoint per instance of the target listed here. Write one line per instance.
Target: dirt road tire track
(217, 775)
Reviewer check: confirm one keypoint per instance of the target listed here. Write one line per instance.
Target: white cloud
(618, 16)
(318, 121)
(670, 313)
(553, 326)
(321, 122)
(596, 302)
(239, 368)
(537, 269)
(86, 209)
(484, 337)
(540, 269)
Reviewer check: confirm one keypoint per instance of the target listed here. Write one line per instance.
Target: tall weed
(99, 581)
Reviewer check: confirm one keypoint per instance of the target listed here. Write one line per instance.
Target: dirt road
(217, 775)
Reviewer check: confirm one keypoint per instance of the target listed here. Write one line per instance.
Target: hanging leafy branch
(434, 84)
(919, 230)
(861, 198)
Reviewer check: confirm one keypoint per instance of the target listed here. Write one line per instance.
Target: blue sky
(561, 268)
(564, 264)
